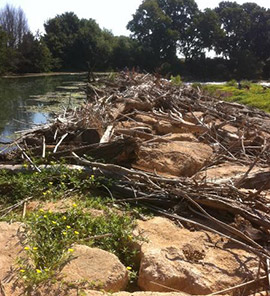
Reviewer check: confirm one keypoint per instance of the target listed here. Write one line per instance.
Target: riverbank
(141, 146)
(43, 74)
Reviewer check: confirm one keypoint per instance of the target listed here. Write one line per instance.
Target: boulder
(193, 117)
(181, 137)
(100, 268)
(197, 263)
(10, 246)
(225, 172)
(149, 294)
(147, 119)
(179, 158)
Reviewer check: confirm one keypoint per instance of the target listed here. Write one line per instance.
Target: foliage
(163, 27)
(232, 82)
(176, 80)
(45, 184)
(50, 238)
(77, 44)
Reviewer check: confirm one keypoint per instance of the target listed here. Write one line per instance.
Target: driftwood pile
(127, 117)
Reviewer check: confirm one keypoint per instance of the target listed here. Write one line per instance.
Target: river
(30, 101)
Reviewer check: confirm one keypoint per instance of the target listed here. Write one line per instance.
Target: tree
(61, 31)
(245, 40)
(152, 28)
(14, 22)
(165, 26)
(77, 44)
(34, 55)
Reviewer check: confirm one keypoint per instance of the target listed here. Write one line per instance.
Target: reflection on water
(15, 101)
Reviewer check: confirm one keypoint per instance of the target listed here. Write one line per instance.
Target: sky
(110, 14)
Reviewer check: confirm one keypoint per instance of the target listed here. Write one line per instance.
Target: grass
(256, 96)
(50, 235)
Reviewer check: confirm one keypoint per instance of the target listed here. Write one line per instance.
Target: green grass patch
(53, 183)
(255, 96)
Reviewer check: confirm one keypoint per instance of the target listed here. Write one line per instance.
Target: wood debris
(127, 119)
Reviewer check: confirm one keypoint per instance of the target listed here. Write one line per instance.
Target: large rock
(179, 158)
(95, 293)
(197, 263)
(150, 294)
(226, 172)
(11, 236)
(10, 246)
(98, 267)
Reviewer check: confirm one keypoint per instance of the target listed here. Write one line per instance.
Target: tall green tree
(165, 27)
(61, 33)
(77, 44)
(34, 55)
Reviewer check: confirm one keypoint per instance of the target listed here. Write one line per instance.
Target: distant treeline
(168, 37)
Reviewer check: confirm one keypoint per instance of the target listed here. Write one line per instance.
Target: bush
(176, 80)
(232, 82)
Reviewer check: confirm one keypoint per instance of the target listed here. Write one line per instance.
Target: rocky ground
(199, 164)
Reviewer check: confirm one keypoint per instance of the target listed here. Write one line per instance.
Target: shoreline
(51, 74)
(43, 74)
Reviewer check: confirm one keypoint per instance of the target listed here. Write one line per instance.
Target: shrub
(176, 80)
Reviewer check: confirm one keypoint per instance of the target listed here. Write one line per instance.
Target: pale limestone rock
(189, 261)
(96, 266)
(179, 158)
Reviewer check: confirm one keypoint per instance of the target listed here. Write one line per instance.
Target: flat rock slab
(95, 293)
(179, 158)
(226, 172)
(98, 267)
(197, 262)
(10, 246)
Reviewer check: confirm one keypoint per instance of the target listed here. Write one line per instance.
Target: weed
(196, 85)
(50, 237)
(47, 184)
(232, 82)
(176, 80)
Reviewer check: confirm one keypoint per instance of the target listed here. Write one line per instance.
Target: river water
(22, 105)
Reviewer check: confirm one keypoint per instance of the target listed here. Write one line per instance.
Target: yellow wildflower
(68, 227)
(35, 248)
(76, 232)
(74, 205)
(64, 218)
(22, 270)
(129, 268)
(70, 250)
(38, 271)
(64, 233)
(54, 222)
(26, 248)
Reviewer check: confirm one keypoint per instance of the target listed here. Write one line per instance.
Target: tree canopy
(167, 36)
